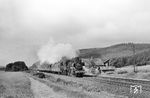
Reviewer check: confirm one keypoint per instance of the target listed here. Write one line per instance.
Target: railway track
(145, 84)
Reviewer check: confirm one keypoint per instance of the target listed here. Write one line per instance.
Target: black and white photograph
(74, 48)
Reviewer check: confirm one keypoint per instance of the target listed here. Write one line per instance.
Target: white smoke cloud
(53, 52)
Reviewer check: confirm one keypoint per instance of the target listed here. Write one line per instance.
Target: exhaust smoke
(53, 52)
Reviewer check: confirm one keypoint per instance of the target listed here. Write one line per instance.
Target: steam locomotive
(70, 67)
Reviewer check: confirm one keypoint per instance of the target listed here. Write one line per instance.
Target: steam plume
(52, 52)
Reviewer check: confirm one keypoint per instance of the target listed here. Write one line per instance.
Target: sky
(26, 25)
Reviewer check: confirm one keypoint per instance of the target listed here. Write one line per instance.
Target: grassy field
(143, 72)
(14, 85)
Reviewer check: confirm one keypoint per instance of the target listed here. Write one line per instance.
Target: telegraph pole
(134, 63)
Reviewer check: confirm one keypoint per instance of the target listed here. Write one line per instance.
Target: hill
(115, 51)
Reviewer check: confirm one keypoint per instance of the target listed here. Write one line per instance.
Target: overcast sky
(25, 25)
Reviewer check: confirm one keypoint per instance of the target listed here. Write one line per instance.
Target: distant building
(93, 62)
(98, 64)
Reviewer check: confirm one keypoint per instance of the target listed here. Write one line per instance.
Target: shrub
(40, 75)
(16, 66)
(122, 72)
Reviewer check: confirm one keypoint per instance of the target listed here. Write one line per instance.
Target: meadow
(14, 85)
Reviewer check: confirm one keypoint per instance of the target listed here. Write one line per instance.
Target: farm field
(14, 85)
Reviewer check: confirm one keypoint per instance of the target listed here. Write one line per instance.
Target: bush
(40, 75)
(16, 66)
(122, 72)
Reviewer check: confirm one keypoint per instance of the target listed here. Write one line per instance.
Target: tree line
(137, 59)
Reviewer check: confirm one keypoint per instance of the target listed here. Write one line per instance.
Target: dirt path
(41, 90)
